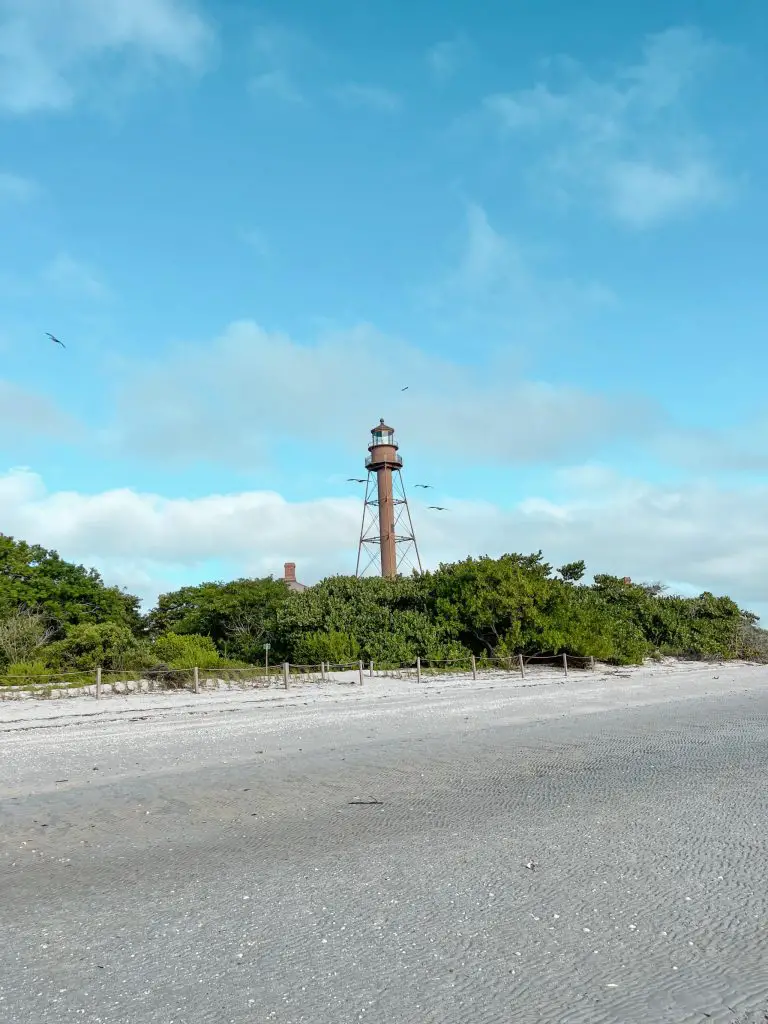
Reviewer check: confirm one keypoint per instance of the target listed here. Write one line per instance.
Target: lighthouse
(386, 534)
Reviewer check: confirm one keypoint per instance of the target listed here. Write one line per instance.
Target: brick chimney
(289, 572)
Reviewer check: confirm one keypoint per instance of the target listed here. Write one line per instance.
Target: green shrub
(332, 646)
(752, 642)
(109, 644)
(32, 577)
(483, 606)
(26, 673)
(186, 650)
(23, 635)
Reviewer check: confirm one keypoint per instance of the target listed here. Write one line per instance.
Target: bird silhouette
(427, 487)
(405, 388)
(355, 480)
(55, 340)
(438, 508)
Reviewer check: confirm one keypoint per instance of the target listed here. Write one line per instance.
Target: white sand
(206, 860)
(605, 687)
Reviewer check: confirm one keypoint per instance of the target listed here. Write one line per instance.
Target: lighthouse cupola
(383, 448)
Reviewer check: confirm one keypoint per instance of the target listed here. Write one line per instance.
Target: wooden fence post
(370, 669)
(474, 667)
(592, 662)
(522, 665)
(286, 673)
(418, 670)
(197, 679)
(322, 670)
(360, 671)
(98, 682)
(565, 664)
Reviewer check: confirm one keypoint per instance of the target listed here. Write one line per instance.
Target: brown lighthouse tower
(387, 530)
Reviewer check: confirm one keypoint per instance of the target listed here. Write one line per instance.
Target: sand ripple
(253, 890)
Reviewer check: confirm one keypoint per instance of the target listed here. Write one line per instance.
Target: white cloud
(277, 83)
(25, 413)
(256, 240)
(280, 44)
(488, 256)
(642, 194)
(48, 51)
(495, 281)
(16, 189)
(624, 527)
(278, 51)
(265, 379)
(625, 141)
(145, 539)
(374, 97)
(742, 448)
(72, 277)
(445, 57)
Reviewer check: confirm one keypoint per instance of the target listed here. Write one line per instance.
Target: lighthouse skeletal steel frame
(386, 532)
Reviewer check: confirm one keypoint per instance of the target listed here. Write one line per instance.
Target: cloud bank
(696, 536)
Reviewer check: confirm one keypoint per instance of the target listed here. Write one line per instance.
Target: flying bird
(427, 487)
(438, 508)
(405, 388)
(355, 480)
(55, 340)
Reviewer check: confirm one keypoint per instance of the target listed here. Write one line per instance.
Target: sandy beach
(581, 850)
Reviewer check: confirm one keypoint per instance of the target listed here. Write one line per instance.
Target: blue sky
(252, 225)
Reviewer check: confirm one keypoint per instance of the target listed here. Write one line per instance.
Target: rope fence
(100, 682)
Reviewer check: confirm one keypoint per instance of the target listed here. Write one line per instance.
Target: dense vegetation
(59, 617)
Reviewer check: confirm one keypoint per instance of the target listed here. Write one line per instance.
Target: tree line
(56, 616)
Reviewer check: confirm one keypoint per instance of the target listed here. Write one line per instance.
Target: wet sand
(173, 858)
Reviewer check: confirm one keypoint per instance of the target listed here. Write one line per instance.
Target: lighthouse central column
(386, 522)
